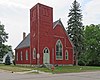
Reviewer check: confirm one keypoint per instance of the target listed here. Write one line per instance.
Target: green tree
(3, 34)
(5, 49)
(92, 46)
(75, 29)
(3, 39)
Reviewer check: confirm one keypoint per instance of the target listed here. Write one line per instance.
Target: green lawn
(14, 68)
(72, 69)
(60, 69)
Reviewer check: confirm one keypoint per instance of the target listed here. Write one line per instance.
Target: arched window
(26, 55)
(59, 49)
(66, 55)
(34, 53)
(46, 50)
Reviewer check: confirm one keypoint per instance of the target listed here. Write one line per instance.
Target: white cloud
(15, 20)
(12, 3)
(92, 12)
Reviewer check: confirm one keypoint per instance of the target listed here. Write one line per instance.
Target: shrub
(7, 60)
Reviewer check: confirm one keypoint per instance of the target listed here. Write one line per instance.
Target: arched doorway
(46, 56)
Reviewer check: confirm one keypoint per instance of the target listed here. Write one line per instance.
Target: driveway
(66, 76)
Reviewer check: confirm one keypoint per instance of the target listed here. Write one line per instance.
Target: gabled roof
(55, 23)
(24, 43)
(58, 22)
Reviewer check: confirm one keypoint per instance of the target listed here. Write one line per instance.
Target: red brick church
(47, 42)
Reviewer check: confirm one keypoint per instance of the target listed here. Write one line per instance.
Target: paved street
(67, 76)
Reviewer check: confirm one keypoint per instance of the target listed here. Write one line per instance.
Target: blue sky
(14, 14)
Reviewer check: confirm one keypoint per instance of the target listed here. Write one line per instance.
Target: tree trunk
(76, 59)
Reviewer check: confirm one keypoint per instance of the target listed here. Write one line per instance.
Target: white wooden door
(46, 56)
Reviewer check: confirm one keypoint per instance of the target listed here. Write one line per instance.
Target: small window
(17, 56)
(21, 58)
(66, 55)
(34, 53)
(26, 55)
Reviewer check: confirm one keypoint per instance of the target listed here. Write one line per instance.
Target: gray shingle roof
(26, 42)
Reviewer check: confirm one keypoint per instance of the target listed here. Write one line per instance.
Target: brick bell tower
(41, 31)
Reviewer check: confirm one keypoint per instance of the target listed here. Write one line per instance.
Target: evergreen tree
(75, 29)
(7, 60)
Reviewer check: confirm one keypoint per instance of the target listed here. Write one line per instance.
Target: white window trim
(67, 55)
(17, 56)
(62, 49)
(26, 54)
(34, 57)
(21, 57)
